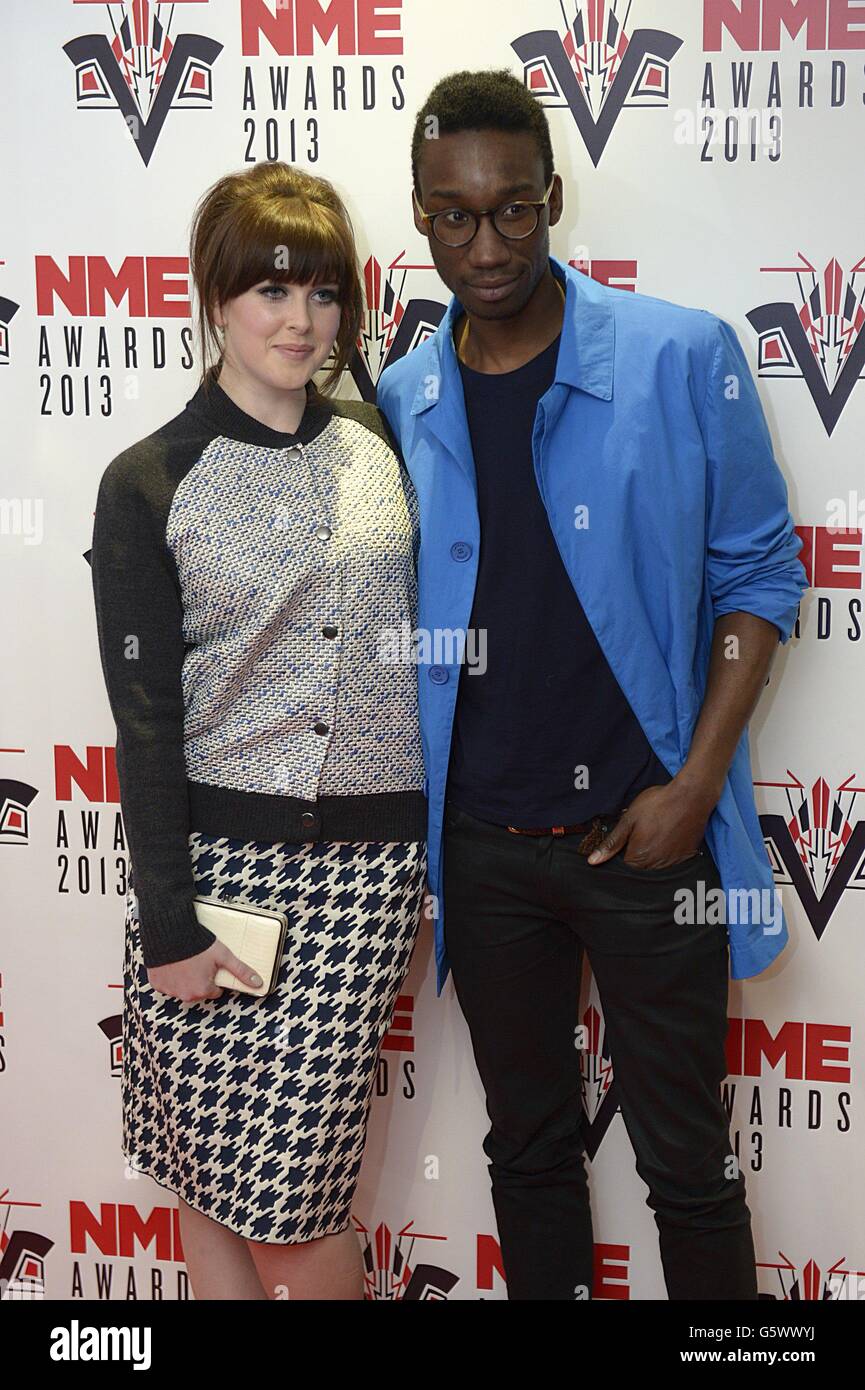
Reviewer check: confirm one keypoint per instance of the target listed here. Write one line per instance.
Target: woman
(246, 556)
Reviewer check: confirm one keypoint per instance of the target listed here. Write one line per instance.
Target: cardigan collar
(232, 422)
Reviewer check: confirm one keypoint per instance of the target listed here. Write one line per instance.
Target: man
(599, 501)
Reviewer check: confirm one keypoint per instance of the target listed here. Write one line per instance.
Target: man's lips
(494, 289)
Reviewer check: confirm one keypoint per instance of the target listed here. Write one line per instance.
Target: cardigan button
(293, 454)
(309, 820)
(329, 630)
(319, 727)
(323, 532)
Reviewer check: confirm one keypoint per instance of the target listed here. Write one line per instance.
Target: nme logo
(155, 287)
(755, 26)
(616, 275)
(399, 1036)
(832, 557)
(121, 1230)
(808, 1051)
(96, 778)
(370, 27)
(610, 1277)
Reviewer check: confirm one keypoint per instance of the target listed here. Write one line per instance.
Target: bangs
(290, 241)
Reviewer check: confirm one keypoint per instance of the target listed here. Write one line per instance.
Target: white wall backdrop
(711, 154)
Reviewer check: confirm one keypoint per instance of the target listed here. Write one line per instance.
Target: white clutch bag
(255, 934)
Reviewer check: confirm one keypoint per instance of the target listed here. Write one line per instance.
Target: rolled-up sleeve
(752, 548)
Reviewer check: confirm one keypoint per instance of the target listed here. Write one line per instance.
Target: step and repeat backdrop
(711, 155)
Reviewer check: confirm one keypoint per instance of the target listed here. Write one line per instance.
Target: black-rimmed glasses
(513, 220)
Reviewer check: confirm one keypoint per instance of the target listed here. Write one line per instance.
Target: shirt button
(323, 532)
(294, 453)
(329, 630)
(461, 550)
(321, 728)
(438, 674)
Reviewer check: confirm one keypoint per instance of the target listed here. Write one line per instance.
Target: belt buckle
(593, 837)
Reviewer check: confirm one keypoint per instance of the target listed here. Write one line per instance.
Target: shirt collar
(586, 353)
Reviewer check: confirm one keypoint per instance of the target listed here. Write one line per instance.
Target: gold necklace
(465, 333)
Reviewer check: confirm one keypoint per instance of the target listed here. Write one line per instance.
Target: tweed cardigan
(243, 579)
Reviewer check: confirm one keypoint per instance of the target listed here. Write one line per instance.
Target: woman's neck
(280, 410)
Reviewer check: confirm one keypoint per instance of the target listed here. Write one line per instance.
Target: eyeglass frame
(539, 205)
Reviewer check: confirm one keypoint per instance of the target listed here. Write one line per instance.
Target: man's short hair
(489, 100)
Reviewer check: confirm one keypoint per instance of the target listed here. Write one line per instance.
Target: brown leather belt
(593, 831)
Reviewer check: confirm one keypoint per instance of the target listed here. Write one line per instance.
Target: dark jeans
(519, 910)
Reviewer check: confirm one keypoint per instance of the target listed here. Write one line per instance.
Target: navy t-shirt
(547, 703)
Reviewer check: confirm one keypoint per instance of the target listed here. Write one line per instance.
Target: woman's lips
(292, 351)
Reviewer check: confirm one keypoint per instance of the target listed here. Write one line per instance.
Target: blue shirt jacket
(655, 466)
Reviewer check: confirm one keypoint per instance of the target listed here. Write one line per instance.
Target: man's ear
(557, 201)
(421, 226)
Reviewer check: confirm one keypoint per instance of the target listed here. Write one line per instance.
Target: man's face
(493, 277)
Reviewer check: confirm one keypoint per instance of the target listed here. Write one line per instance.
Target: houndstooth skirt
(254, 1111)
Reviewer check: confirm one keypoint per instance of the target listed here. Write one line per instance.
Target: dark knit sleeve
(140, 625)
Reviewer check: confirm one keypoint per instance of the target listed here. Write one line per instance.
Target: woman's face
(280, 334)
